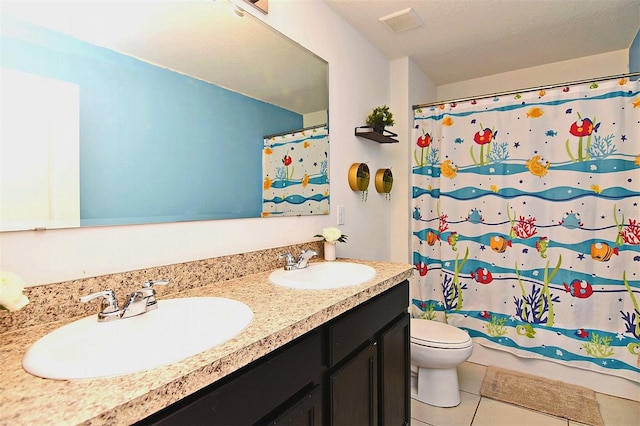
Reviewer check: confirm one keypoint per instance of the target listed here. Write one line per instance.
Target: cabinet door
(353, 389)
(257, 391)
(306, 412)
(395, 373)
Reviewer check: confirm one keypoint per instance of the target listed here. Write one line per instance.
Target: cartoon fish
(569, 111)
(475, 216)
(422, 268)
(571, 220)
(537, 166)
(579, 288)
(636, 103)
(526, 330)
(535, 112)
(499, 244)
(551, 133)
(416, 214)
(458, 140)
(582, 333)
(267, 183)
(432, 237)
(448, 121)
(602, 251)
(449, 169)
(482, 275)
(583, 127)
(484, 314)
(541, 246)
(634, 348)
(452, 239)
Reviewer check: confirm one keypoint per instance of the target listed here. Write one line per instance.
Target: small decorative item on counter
(11, 287)
(331, 236)
(380, 118)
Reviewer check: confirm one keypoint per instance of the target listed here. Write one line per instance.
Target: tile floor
(477, 411)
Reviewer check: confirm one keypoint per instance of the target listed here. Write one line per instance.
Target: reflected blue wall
(634, 54)
(156, 145)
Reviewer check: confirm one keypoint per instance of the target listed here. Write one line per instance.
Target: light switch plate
(340, 215)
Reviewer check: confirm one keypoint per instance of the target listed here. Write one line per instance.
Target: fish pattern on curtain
(526, 223)
(295, 169)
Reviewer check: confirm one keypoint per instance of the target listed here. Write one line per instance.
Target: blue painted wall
(155, 145)
(634, 54)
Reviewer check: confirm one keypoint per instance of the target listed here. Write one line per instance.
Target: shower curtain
(295, 177)
(526, 222)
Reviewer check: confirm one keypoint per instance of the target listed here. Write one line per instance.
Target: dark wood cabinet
(395, 373)
(305, 412)
(355, 369)
(354, 389)
(370, 360)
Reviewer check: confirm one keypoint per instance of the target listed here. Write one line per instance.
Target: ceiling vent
(403, 20)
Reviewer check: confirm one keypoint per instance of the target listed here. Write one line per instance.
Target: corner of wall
(634, 54)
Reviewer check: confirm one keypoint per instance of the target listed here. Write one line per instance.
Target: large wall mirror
(145, 111)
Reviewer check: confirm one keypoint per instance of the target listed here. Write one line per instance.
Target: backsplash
(54, 302)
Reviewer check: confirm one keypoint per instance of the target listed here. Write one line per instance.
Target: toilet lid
(438, 334)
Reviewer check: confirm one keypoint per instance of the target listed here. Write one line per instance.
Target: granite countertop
(280, 316)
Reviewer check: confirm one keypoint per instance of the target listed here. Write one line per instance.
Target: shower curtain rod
(530, 89)
(304, 129)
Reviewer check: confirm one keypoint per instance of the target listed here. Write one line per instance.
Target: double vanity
(333, 356)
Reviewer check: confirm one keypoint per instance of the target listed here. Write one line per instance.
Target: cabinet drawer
(353, 328)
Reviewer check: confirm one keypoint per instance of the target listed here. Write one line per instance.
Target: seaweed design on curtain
(295, 168)
(526, 222)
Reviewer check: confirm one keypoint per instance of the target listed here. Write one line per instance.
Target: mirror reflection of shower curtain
(526, 222)
(295, 169)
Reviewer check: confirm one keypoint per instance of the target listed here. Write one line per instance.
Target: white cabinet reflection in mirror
(39, 152)
(296, 173)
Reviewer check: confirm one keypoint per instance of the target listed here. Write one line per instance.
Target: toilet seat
(436, 334)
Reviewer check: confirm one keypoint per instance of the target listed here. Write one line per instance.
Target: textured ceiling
(466, 39)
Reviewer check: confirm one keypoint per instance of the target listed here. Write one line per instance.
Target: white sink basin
(177, 329)
(323, 276)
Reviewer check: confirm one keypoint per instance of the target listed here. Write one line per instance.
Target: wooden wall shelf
(367, 132)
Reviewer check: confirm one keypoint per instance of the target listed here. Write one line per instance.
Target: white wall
(358, 81)
(605, 64)
(409, 86)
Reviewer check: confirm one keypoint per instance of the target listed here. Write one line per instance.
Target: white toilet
(436, 350)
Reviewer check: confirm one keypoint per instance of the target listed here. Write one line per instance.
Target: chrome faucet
(303, 260)
(138, 302)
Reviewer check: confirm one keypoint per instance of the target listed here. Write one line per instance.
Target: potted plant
(379, 118)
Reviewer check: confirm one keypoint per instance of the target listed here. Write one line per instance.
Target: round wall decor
(359, 177)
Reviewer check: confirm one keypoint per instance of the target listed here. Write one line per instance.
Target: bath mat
(553, 397)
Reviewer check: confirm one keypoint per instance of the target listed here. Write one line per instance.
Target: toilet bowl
(436, 350)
